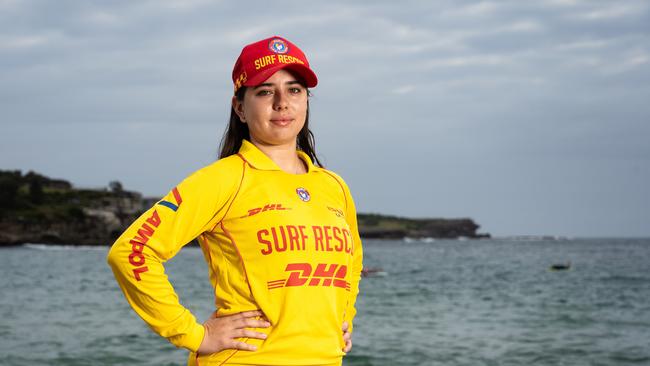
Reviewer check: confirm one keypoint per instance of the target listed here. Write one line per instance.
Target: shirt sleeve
(194, 206)
(357, 256)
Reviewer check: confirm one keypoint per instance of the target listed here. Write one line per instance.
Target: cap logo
(278, 45)
(303, 194)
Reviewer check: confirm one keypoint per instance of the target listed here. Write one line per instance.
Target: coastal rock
(393, 227)
(38, 209)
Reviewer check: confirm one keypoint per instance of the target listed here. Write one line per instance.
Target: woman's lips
(281, 121)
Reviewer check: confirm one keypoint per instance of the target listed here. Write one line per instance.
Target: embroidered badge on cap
(303, 194)
(278, 46)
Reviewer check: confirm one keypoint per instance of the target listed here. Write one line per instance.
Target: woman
(278, 232)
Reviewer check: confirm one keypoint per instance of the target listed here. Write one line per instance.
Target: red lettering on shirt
(139, 241)
(328, 238)
(322, 273)
(282, 238)
(267, 207)
(303, 236)
(290, 238)
(318, 237)
(336, 233)
(137, 271)
(282, 244)
(292, 233)
(299, 274)
(348, 239)
(269, 247)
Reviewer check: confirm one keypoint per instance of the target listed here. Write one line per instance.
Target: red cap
(259, 60)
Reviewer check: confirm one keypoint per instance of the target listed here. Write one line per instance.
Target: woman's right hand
(220, 332)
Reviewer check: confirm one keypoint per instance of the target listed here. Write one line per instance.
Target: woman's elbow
(115, 254)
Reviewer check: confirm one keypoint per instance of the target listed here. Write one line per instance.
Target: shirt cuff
(190, 340)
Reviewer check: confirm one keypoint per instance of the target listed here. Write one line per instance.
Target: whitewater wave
(64, 247)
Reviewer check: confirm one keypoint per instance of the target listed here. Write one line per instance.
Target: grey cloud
(528, 116)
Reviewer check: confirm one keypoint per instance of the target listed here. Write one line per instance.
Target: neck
(284, 156)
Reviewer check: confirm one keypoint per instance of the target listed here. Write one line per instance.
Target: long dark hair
(237, 131)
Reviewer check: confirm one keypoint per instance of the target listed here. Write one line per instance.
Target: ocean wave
(64, 247)
(625, 279)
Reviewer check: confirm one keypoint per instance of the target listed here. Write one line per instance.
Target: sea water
(435, 302)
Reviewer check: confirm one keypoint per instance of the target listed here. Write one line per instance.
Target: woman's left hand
(347, 337)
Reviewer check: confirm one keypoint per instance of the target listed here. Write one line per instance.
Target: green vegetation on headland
(38, 209)
(392, 227)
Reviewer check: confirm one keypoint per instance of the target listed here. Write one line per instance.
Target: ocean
(434, 302)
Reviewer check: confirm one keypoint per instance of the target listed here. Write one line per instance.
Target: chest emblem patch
(303, 194)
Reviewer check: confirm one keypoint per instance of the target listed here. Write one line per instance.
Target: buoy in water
(561, 267)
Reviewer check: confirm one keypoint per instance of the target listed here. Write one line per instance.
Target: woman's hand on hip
(220, 332)
(347, 337)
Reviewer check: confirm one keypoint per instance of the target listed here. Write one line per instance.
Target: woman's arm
(357, 257)
(357, 261)
(137, 256)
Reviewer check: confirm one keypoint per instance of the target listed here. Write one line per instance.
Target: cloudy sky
(531, 117)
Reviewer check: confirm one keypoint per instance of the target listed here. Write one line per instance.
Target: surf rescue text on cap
(259, 60)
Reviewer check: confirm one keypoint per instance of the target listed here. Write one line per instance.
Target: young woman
(278, 231)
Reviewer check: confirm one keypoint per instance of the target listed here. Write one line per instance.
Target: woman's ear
(238, 107)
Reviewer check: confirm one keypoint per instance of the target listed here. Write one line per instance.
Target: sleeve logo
(177, 200)
(139, 242)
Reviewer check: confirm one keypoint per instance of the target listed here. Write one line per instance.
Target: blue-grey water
(446, 302)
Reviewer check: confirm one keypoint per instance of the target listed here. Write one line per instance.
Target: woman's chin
(277, 140)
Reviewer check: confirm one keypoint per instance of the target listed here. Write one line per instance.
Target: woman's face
(275, 111)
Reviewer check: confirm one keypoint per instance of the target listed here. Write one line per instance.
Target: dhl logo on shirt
(267, 207)
(300, 274)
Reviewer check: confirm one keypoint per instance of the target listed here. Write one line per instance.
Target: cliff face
(37, 209)
(91, 230)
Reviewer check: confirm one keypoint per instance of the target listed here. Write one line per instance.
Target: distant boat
(372, 272)
(560, 266)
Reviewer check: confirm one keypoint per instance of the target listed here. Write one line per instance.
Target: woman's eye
(264, 92)
(295, 90)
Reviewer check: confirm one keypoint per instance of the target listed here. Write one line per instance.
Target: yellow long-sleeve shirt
(283, 243)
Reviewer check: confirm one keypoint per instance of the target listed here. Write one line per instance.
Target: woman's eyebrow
(262, 85)
(290, 82)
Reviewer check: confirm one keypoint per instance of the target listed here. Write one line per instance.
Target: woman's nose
(280, 101)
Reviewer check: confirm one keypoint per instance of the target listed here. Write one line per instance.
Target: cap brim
(301, 71)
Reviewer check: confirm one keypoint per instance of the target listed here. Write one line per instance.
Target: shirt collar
(258, 160)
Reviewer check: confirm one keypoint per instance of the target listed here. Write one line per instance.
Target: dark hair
(237, 131)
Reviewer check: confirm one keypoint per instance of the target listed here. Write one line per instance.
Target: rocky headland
(393, 227)
(38, 209)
